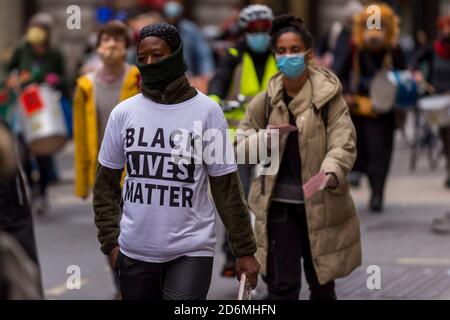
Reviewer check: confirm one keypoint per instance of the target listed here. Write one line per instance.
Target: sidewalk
(414, 263)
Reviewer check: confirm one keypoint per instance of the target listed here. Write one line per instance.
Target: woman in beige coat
(316, 133)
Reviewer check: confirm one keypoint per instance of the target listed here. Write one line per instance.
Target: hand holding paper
(316, 183)
(284, 128)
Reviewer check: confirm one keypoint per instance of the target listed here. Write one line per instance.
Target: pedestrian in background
(96, 94)
(436, 59)
(244, 71)
(197, 52)
(373, 51)
(19, 264)
(35, 60)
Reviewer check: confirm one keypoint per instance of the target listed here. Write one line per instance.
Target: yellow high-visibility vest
(246, 83)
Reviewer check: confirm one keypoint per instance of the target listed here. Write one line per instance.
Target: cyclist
(244, 71)
(436, 59)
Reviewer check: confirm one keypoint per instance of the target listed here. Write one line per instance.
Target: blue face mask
(258, 42)
(173, 10)
(291, 65)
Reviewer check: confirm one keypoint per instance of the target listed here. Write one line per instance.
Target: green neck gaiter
(160, 74)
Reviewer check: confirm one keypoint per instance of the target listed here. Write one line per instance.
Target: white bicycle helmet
(254, 12)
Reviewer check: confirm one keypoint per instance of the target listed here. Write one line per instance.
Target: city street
(414, 262)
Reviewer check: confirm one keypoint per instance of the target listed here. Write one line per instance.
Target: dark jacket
(15, 212)
(221, 82)
(436, 67)
(24, 59)
(341, 52)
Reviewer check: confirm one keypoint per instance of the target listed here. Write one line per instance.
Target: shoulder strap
(324, 114)
(267, 109)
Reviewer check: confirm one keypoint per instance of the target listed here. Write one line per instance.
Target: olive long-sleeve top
(227, 194)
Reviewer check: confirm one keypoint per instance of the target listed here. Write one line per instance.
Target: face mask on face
(258, 42)
(158, 75)
(173, 10)
(36, 36)
(112, 54)
(291, 65)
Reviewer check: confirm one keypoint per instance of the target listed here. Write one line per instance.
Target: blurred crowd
(41, 108)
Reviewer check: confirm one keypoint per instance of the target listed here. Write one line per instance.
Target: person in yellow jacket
(244, 72)
(96, 95)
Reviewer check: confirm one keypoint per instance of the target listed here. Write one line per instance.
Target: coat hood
(324, 86)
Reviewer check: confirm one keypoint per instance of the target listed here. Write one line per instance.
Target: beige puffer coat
(333, 225)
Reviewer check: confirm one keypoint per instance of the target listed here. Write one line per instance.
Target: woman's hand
(418, 76)
(331, 181)
(52, 79)
(283, 129)
(318, 182)
(250, 266)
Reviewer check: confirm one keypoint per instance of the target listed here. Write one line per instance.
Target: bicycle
(425, 140)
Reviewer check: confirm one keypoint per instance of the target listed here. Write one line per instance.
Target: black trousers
(445, 136)
(374, 147)
(15, 213)
(44, 164)
(186, 278)
(288, 243)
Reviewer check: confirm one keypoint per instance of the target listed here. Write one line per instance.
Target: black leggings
(288, 243)
(185, 278)
(374, 145)
(445, 136)
(44, 164)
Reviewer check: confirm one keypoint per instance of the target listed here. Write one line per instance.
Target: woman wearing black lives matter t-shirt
(165, 246)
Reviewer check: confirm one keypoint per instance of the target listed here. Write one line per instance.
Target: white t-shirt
(167, 212)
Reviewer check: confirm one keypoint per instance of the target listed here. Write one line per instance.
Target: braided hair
(289, 23)
(164, 31)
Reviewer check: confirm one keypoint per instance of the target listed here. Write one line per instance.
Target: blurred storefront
(416, 15)
(12, 17)
(319, 15)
